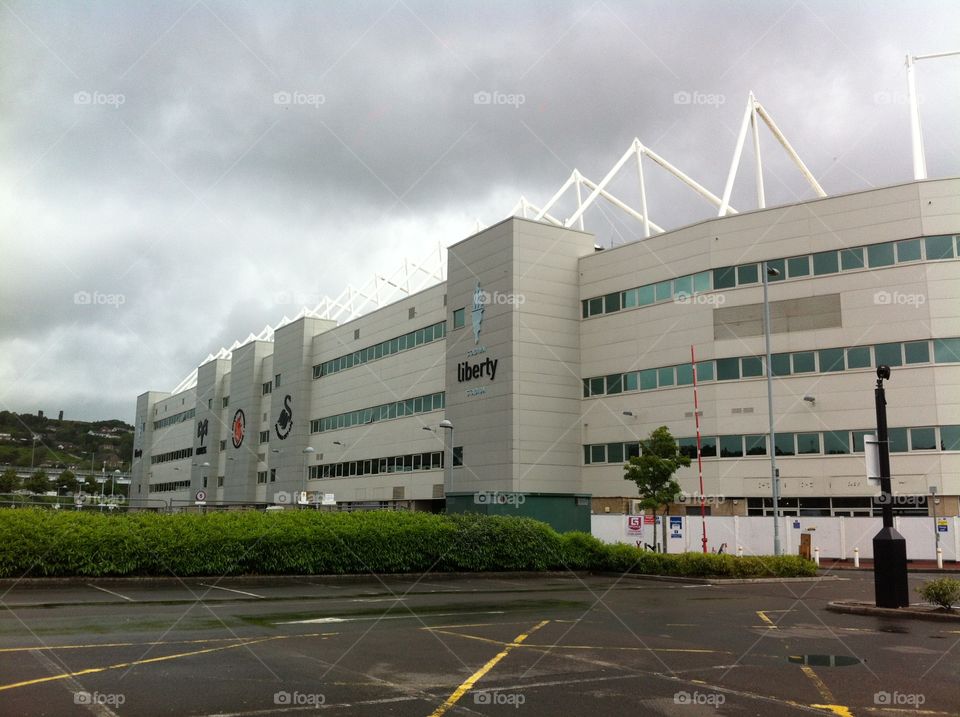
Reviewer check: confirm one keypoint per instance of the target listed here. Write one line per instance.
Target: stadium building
(546, 360)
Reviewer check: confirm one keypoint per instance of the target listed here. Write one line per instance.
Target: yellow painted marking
(820, 684)
(763, 616)
(474, 624)
(472, 680)
(836, 709)
(93, 645)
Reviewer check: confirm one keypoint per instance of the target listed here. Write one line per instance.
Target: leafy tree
(37, 482)
(67, 482)
(9, 481)
(653, 471)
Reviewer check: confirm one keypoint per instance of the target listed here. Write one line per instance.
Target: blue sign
(676, 526)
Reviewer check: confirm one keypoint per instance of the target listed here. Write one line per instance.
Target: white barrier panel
(835, 537)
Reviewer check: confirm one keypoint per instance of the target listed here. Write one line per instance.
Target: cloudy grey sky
(146, 159)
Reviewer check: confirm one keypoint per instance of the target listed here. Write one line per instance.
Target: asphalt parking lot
(434, 645)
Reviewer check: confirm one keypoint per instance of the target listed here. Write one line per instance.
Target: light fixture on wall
(810, 399)
(630, 413)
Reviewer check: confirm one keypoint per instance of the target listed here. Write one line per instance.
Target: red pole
(696, 416)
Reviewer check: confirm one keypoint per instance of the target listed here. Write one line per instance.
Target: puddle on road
(894, 629)
(824, 660)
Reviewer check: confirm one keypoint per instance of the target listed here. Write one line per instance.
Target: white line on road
(319, 620)
(95, 587)
(231, 590)
(392, 599)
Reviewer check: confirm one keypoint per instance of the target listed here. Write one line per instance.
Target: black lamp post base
(890, 569)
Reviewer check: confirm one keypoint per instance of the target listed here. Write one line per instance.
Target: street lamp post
(889, 547)
(448, 426)
(113, 479)
(774, 473)
(936, 532)
(306, 457)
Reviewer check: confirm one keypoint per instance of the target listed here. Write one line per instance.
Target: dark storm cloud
(213, 166)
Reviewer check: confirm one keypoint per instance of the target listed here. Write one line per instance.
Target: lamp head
(883, 372)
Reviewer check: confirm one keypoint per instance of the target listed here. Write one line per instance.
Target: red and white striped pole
(696, 416)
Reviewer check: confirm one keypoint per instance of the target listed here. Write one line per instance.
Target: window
(688, 447)
(808, 443)
(411, 314)
(898, 440)
(225, 401)
(940, 247)
(888, 354)
(685, 374)
(923, 439)
(614, 453)
(645, 295)
(826, 262)
(261, 477)
(836, 442)
(663, 291)
(665, 376)
(747, 274)
(804, 362)
(946, 350)
(756, 445)
(648, 379)
(880, 255)
(780, 364)
(831, 360)
(276, 381)
(751, 366)
(701, 281)
(586, 455)
(615, 383)
(598, 453)
(725, 278)
(632, 449)
(611, 302)
(630, 298)
(731, 446)
(858, 357)
(683, 286)
(223, 445)
(798, 266)
(630, 381)
(459, 314)
(219, 481)
(783, 443)
(273, 475)
(950, 438)
(264, 436)
(708, 446)
(780, 266)
(705, 371)
(908, 250)
(917, 352)
(210, 404)
(596, 386)
(267, 388)
(728, 369)
(851, 258)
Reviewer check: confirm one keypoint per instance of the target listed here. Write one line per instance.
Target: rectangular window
(688, 447)
(611, 302)
(917, 352)
(708, 446)
(665, 376)
(859, 357)
(267, 388)
(880, 255)
(950, 438)
(704, 371)
(630, 298)
(630, 381)
(858, 438)
(663, 290)
(804, 362)
(756, 445)
(747, 274)
(264, 436)
(831, 360)
(946, 350)
(728, 369)
(586, 455)
(646, 295)
(585, 309)
(923, 439)
(731, 446)
(225, 401)
(683, 286)
(598, 453)
(701, 281)
(596, 306)
(908, 250)
(826, 262)
(779, 266)
(808, 443)
(648, 379)
(615, 383)
(798, 266)
(898, 440)
(780, 364)
(940, 247)
(784, 443)
(458, 318)
(851, 258)
(751, 366)
(276, 381)
(596, 386)
(888, 354)
(725, 278)
(614, 453)
(836, 442)
(685, 374)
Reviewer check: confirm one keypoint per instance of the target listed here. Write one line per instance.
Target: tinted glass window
(898, 440)
(458, 318)
(908, 250)
(784, 444)
(808, 443)
(950, 438)
(923, 439)
(731, 446)
(756, 445)
(683, 285)
(889, 354)
(858, 357)
(751, 366)
(630, 381)
(831, 360)
(728, 369)
(662, 290)
(851, 258)
(615, 453)
(645, 295)
(611, 302)
(940, 247)
(615, 383)
(725, 278)
(946, 350)
(684, 374)
(630, 298)
(701, 281)
(705, 371)
(708, 446)
(780, 363)
(665, 376)
(836, 442)
(598, 453)
(798, 266)
(880, 255)
(858, 437)
(748, 274)
(648, 379)
(804, 362)
(596, 386)
(780, 266)
(826, 262)
(596, 308)
(917, 352)
(688, 447)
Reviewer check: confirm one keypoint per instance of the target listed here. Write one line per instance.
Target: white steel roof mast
(916, 135)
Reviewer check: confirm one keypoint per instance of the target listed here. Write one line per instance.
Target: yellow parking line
(472, 680)
(763, 616)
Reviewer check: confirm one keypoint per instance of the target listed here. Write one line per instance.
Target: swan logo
(238, 428)
(284, 423)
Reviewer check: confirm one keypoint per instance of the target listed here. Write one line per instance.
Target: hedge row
(44, 543)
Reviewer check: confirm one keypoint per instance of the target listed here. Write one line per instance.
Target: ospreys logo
(284, 423)
(238, 428)
(476, 312)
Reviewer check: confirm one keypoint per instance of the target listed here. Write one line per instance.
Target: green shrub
(39, 543)
(943, 592)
